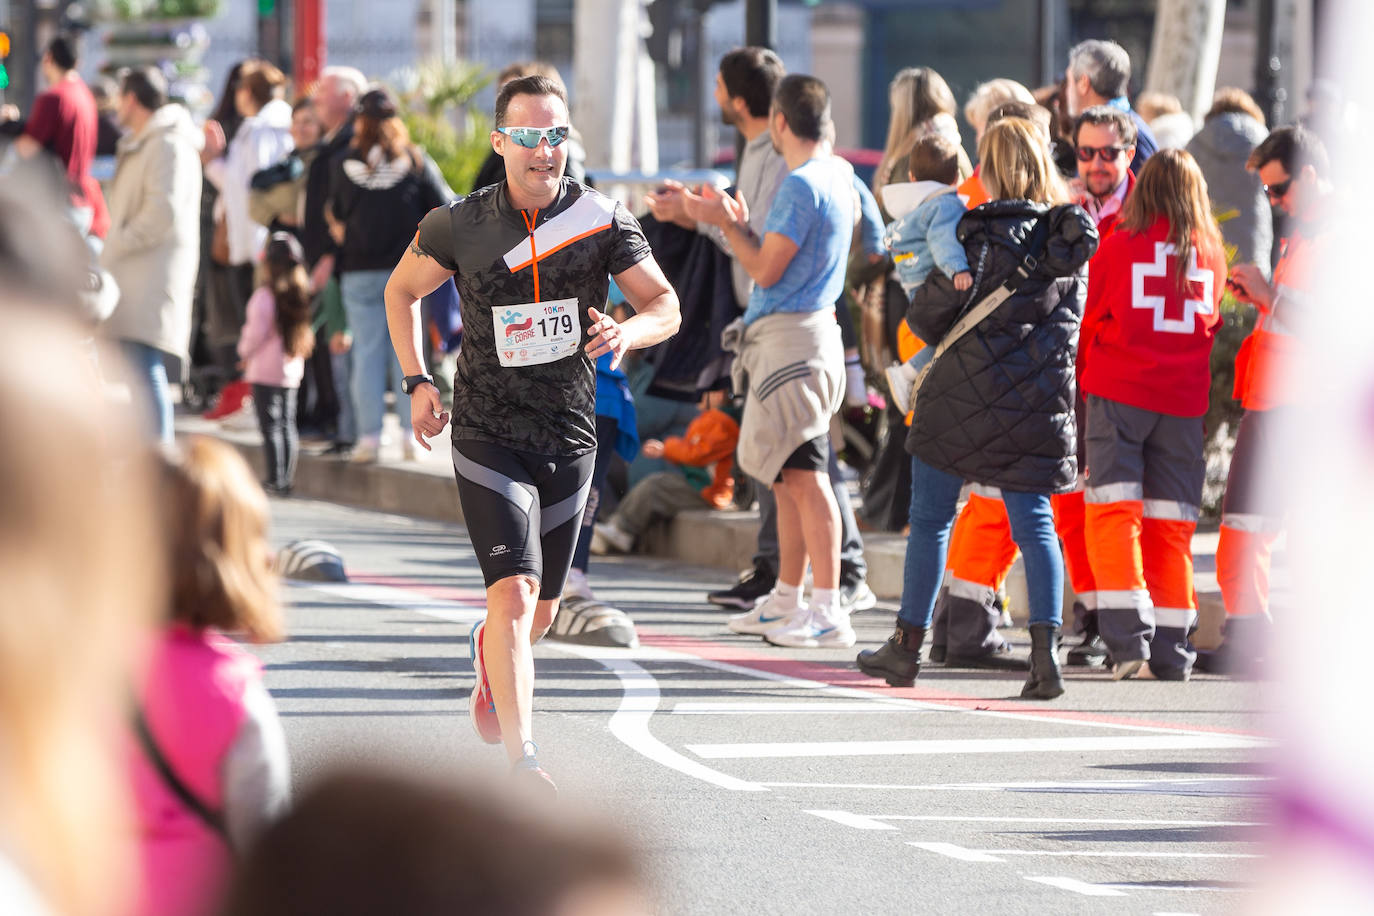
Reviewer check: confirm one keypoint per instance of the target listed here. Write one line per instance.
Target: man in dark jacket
(335, 100)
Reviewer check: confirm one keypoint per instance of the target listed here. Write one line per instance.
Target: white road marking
(403, 599)
(956, 852)
(1120, 854)
(853, 820)
(630, 722)
(1078, 887)
(1074, 745)
(638, 702)
(863, 821)
(782, 707)
(1225, 786)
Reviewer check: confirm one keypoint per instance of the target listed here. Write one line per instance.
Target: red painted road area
(849, 678)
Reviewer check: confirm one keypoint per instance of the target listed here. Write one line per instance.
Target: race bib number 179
(534, 333)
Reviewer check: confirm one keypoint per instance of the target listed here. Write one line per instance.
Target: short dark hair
(527, 85)
(1292, 148)
(62, 50)
(1107, 116)
(752, 74)
(935, 157)
(147, 85)
(1106, 65)
(805, 105)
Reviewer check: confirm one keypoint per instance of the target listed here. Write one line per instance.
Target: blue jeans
(375, 367)
(341, 368)
(150, 385)
(934, 503)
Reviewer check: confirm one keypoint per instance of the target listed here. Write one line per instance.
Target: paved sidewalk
(424, 488)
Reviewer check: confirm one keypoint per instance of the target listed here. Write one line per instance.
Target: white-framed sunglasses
(529, 137)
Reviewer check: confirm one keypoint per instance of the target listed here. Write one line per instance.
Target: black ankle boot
(898, 660)
(1092, 651)
(1045, 681)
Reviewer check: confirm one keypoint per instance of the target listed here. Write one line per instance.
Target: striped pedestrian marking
(1078, 887)
(1068, 745)
(782, 707)
(994, 855)
(957, 852)
(880, 821)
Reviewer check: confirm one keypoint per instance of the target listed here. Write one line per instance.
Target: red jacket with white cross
(1146, 338)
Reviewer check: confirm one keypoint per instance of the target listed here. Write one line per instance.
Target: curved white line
(630, 722)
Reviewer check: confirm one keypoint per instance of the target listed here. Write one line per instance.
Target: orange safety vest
(1272, 349)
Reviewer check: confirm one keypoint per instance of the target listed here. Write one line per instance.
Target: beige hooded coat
(153, 249)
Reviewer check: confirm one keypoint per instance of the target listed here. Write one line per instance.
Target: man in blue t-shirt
(790, 351)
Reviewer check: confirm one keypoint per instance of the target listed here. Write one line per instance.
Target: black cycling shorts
(811, 455)
(523, 511)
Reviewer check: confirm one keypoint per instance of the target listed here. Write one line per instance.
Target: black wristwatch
(411, 382)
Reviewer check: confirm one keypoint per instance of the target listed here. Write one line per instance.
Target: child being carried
(923, 237)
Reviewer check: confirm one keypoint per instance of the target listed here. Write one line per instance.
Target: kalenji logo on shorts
(498, 550)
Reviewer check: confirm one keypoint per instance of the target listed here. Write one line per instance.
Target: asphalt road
(760, 780)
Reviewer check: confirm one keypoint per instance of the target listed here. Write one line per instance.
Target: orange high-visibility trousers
(1070, 522)
(1251, 520)
(981, 553)
(1145, 481)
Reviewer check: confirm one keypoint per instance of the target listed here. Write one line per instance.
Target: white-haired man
(1099, 74)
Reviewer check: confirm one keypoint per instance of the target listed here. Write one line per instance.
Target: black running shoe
(753, 584)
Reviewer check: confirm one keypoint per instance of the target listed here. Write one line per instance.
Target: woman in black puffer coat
(997, 407)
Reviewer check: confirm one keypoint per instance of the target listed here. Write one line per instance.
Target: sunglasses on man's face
(529, 137)
(1105, 153)
(1277, 191)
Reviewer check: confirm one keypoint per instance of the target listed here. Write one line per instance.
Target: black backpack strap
(1035, 247)
(212, 818)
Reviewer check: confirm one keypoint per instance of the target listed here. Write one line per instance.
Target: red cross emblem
(1154, 286)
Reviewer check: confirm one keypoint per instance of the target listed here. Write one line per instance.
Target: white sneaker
(577, 585)
(613, 537)
(242, 420)
(900, 378)
(367, 451)
(767, 614)
(814, 628)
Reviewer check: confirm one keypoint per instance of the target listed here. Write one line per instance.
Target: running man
(531, 256)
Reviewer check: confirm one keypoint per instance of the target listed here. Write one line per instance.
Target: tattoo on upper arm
(415, 250)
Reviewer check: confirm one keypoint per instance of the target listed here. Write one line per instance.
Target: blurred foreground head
(367, 842)
(80, 562)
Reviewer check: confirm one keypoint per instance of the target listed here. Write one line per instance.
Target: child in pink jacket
(275, 341)
(210, 768)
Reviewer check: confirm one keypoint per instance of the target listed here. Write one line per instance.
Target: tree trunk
(1185, 50)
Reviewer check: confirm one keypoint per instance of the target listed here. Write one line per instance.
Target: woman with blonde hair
(996, 405)
(1146, 375)
(922, 103)
(211, 767)
(989, 96)
(81, 561)
(379, 192)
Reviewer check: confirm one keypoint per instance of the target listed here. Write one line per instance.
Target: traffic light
(4, 52)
